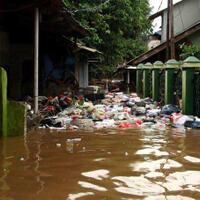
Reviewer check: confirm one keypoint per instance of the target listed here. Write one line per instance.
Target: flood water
(110, 164)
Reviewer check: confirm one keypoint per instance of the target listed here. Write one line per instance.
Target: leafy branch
(189, 50)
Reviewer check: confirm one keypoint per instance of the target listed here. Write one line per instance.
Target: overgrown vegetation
(118, 29)
(189, 50)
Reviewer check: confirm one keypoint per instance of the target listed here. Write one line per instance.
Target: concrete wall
(16, 118)
(186, 14)
(153, 43)
(12, 114)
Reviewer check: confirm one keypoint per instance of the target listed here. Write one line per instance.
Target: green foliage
(189, 50)
(117, 28)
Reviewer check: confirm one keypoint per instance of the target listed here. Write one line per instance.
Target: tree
(118, 28)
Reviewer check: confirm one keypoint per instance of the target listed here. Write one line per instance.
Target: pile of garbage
(116, 110)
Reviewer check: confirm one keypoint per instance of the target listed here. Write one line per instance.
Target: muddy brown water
(109, 164)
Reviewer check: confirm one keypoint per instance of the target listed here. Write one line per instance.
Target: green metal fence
(172, 83)
(197, 93)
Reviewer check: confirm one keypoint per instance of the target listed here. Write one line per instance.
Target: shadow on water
(107, 164)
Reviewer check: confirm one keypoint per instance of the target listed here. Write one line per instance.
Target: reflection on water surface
(122, 164)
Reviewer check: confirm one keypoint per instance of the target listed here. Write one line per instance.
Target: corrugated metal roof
(82, 47)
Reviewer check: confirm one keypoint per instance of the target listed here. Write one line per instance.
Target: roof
(65, 24)
(85, 48)
(76, 47)
(58, 19)
(55, 18)
(141, 58)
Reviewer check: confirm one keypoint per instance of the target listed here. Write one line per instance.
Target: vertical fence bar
(197, 92)
(3, 102)
(170, 67)
(162, 85)
(139, 80)
(146, 80)
(157, 66)
(188, 69)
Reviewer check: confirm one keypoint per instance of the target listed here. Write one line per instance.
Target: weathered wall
(81, 70)
(153, 43)
(12, 114)
(83, 73)
(16, 118)
(186, 14)
(77, 66)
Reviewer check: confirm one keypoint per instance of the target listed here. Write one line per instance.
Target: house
(186, 15)
(154, 40)
(56, 25)
(85, 56)
(186, 29)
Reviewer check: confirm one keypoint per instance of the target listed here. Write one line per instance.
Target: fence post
(147, 80)
(3, 102)
(188, 69)
(157, 66)
(139, 80)
(170, 67)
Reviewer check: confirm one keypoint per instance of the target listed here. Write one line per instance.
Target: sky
(156, 6)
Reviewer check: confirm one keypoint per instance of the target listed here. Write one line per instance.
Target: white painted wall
(83, 73)
(186, 14)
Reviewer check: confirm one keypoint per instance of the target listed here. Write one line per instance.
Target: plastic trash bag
(169, 109)
(192, 124)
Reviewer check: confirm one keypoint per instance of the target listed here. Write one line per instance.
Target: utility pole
(171, 17)
(170, 31)
(36, 58)
(167, 33)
